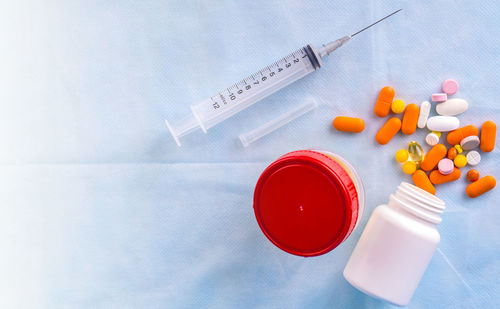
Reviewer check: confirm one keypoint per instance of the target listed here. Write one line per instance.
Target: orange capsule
(488, 135)
(349, 124)
(384, 101)
(410, 119)
(421, 180)
(454, 137)
(437, 178)
(452, 153)
(481, 186)
(388, 130)
(433, 157)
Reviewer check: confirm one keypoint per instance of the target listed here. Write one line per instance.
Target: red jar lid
(306, 203)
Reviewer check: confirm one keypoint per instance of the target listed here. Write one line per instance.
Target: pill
(437, 178)
(437, 133)
(410, 118)
(432, 139)
(452, 107)
(398, 106)
(481, 186)
(473, 158)
(443, 123)
(388, 130)
(450, 86)
(472, 175)
(349, 124)
(415, 152)
(439, 97)
(432, 158)
(488, 135)
(458, 148)
(384, 102)
(460, 161)
(452, 153)
(425, 109)
(454, 137)
(445, 166)
(470, 142)
(401, 155)
(421, 180)
(409, 167)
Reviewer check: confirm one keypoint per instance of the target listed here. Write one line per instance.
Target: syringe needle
(330, 47)
(375, 23)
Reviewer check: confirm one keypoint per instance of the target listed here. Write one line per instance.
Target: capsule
(455, 136)
(384, 101)
(416, 152)
(481, 186)
(488, 135)
(388, 130)
(421, 180)
(410, 119)
(437, 178)
(433, 157)
(349, 124)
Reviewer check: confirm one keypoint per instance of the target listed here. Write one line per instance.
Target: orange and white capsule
(388, 131)
(437, 178)
(410, 119)
(481, 186)
(454, 137)
(488, 135)
(421, 180)
(433, 157)
(384, 101)
(349, 124)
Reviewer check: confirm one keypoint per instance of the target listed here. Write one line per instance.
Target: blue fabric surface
(100, 208)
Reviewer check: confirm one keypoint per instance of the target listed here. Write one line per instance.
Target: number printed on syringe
(259, 80)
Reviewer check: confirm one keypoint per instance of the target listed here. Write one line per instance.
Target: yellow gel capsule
(409, 167)
(401, 155)
(458, 148)
(437, 133)
(416, 152)
(398, 106)
(460, 161)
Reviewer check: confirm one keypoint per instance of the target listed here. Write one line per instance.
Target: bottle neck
(418, 203)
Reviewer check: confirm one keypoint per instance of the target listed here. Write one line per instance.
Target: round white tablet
(432, 139)
(473, 158)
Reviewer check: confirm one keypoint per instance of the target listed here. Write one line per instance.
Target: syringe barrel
(255, 87)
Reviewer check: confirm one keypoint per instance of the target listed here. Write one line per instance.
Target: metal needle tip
(375, 22)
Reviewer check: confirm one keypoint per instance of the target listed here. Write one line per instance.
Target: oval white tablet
(443, 123)
(452, 107)
(425, 109)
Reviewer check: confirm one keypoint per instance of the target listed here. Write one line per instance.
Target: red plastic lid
(306, 203)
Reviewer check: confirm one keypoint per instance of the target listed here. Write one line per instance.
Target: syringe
(255, 87)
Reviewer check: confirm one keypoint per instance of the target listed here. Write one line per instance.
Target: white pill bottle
(396, 246)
